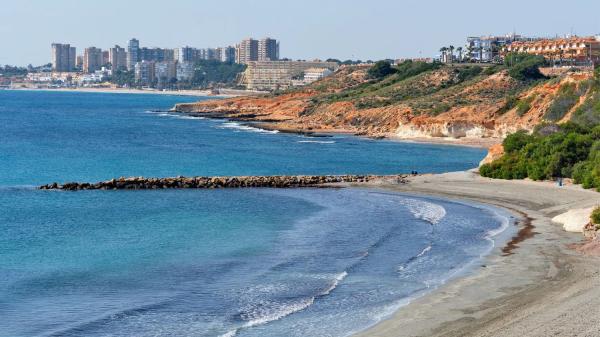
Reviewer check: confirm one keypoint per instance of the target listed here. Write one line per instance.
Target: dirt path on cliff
(542, 289)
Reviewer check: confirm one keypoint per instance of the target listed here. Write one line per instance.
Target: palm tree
(470, 49)
(451, 48)
(460, 55)
(443, 51)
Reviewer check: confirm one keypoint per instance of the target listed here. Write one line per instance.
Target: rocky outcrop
(428, 106)
(494, 152)
(141, 183)
(590, 231)
(575, 220)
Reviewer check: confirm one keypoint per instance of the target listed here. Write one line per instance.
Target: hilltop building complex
(279, 75)
(571, 50)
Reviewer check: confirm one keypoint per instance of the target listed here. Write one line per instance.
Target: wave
(263, 315)
(172, 115)
(187, 117)
(317, 141)
(18, 188)
(242, 127)
(424, 210)
(412, 259)
(95, 322)
(336, 281)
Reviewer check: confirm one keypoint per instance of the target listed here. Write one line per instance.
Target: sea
(236, 262)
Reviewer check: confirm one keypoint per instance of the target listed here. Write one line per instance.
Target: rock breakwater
(141, 183)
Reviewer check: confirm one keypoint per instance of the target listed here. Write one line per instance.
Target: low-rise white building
(314, 74)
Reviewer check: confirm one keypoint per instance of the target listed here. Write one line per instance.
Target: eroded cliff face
(433, 104)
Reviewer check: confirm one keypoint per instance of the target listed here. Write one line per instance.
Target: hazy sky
(307, 29)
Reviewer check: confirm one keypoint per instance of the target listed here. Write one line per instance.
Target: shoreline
(267, 125)
(534, 284)
(197, 93)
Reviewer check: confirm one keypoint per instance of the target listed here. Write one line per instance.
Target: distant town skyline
(306, 30)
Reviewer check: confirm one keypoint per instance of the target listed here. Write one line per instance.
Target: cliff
(460, 102)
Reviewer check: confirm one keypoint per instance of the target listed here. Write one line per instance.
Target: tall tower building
(63, 57)
(92, 59)
(117, 57)
(144, 72)
(247, 51)
(133, 54)
(105, 57)
(228, 54)
(268, 49)
(72, 58)
(187, 54)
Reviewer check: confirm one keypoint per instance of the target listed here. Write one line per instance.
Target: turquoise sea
(244, 262)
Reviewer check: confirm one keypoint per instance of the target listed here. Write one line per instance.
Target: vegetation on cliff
(414, 99)
(570, 150)
(595, 217)
(211, 72)
(524, 67)
(431, 88)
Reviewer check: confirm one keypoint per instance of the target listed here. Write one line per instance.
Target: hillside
(418, 100)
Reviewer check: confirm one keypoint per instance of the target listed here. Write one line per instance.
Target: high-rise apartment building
(117, 58)
(156, 54)
(268, 49)
(63, 57)
(79, 62)
(133, 53)
(227, 54)
(105, 57)
(165, 72)
(210, 54)
(92, 59)
(144, 72)
(187, 54)
(247, 51)
(185, 71)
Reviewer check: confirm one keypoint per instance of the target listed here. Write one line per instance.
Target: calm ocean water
(253, 262)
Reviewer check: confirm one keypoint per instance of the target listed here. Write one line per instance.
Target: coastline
(284, 127)
(534, 286)
(199, 93)
(469, 142)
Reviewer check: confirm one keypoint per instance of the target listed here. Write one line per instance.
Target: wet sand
(534, 286)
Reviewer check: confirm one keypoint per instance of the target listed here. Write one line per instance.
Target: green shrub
(565, 100)
(596, 216)
(510, 102)
(492, 70)
(524, 67)
(569, 151)
(467, 73)
(380, 70)
(516, 141)
(523, 106)
(440, 108)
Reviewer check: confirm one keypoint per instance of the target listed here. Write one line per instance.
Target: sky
(306, 29)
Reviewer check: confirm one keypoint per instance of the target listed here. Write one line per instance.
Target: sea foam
(424, 210)
(241, 127)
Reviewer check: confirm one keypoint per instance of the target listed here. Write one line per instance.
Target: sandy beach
(199, 93)
(535, 286)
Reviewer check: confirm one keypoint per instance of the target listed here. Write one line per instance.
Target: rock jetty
(141, 183)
